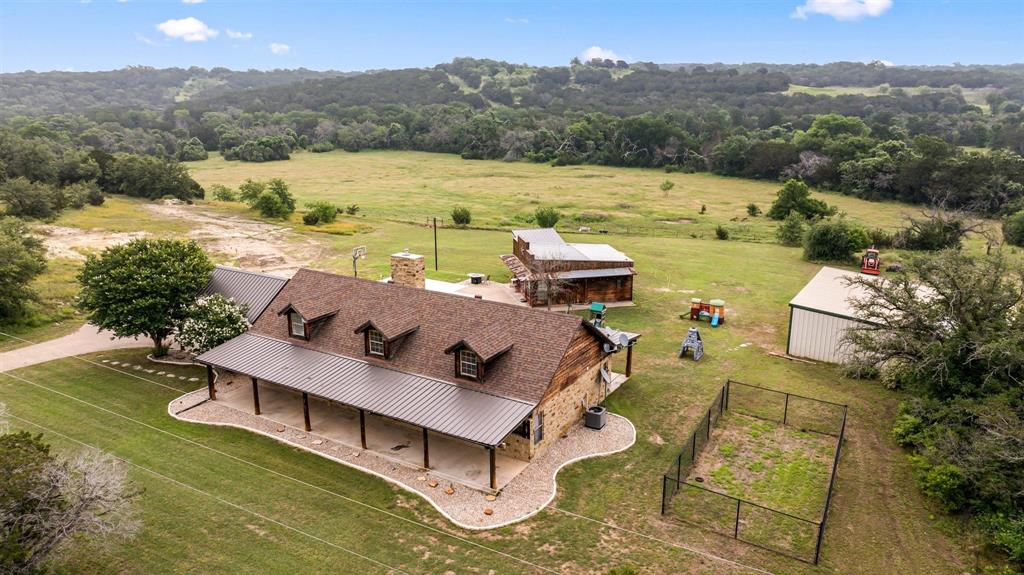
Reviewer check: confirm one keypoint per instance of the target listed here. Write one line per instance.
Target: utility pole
(435, 244)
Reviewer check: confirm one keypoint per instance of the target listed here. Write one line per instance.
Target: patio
(449, 458)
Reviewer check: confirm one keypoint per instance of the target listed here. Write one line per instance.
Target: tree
(149, 177)
(324, 212)
(209, 322)
(1013, 229)
(461, 216)
(547, 217)
(834, 240)
(752, 210)
(222, 193)
(250, 190)
(796, 196)
(192, 151)
(22, 259)
(937, 230)
(667, 185)
(721, 233)
(272, 198)
(143, 287)
(791, 231)
(26, 199)
(47, 501)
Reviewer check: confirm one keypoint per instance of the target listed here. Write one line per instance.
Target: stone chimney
(407, 269)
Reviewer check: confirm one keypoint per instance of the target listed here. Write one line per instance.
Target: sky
(88, 35)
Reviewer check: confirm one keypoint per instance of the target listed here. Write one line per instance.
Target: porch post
(494, 475)
(426, 450)
(362, 428)
(629, 360)
(255, 396)
(209, 382)
(305, 410)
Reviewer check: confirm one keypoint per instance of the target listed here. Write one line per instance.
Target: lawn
(415, 186)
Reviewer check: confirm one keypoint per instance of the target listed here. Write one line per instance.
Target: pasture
(879, 523)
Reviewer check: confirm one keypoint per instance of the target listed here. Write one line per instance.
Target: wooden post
(362, 428)
(426, 450)
(629, 360)
(494, 474)
(305, 410)
(255, 396)
(209, 382)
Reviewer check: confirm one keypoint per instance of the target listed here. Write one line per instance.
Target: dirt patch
(74, 243)
(245, 243)
(679, 222)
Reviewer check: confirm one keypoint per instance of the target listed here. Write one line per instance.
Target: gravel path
(525, 495)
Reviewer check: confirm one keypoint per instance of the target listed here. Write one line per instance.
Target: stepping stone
(318, 442)
(193, 379)
(421, 478)
(170, 375)
(106, 361)
(433, 483)
(280, 429)
(449, 490)
(303, 436)
(137, 367)
(161, 372)
(149, 371)
(115, 362)
(181, 377)
(490, 498)
(488, 511)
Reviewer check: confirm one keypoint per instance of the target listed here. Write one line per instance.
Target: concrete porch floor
(459, 461)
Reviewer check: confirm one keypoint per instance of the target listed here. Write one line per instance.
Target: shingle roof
(391, 323)
(444, 407)
(540, 338)
(252, 289)
(488, 342)
(315, 307)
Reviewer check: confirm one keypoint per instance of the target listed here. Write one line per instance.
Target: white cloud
(192, 1)
(599, 52)
(188, 29)
(279, 48)
(146, 41)
(511, 20)
(238, 35)
(848, 10)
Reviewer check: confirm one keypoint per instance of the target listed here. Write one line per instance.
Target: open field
(415, 186)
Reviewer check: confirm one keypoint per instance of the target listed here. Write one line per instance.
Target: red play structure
(871, 263)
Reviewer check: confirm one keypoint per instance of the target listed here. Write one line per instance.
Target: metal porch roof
(440, 406)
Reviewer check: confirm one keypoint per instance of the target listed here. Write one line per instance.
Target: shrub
(547, 217)
(880, 238)
(321, 147)
(752, 210)
(667, 185)
(310, 218)
(79, 194)
(791, 231)
(834, 240)
(1006, 533)
(461, 216)
(906, 429)
(703, 209)
(209, 322)
(937, 231)
(270, 205)
(1013, 229)
(326, 212)
(945, 482)
(222, 193)
(795, 196)
(22, 259)
(250, 190)
(352, 209)
(192, 151)
(26, 199)
(721, 233)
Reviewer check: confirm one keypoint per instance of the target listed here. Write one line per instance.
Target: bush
(79, 194)
(310, 218)
(209, 322)
(1006, 533)
(22, 258)
(547, 217)
(795, 196)
(944, 482)
(934, 233)
(834, 240)
(321, 147)
(461, 216)
(721, 233)
(352, 209)
(270, 205)
(222, 193)
(667, 185)
(752, 210)
(325, 212)
(791, 231)
(1013, 229)
(192, 151)
(880, 238)
(250, 190)
(26, 199)
(906, 429)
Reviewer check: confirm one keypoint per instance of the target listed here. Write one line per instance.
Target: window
(297, 326)
(467, 363)
(538, 427)
(523, 430)
(375, 342)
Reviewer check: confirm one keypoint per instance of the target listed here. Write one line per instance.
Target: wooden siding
(584, 291)
(584, 352)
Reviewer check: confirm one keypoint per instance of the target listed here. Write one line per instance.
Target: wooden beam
(209, 382)
(494, 473)
(426, 450)
(629, 361)
(305, 410)
(362, 428)
(255, 396)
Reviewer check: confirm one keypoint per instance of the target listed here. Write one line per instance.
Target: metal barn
(820, 314)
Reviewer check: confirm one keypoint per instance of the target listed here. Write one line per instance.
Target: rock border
(467, 507)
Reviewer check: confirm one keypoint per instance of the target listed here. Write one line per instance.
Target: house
(253, 290)
(821, 313)
(494, 379)
(545, 267)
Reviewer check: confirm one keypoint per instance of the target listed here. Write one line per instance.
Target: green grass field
(879, 522)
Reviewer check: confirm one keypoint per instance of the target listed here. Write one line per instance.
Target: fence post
(664, 492)
(693, 447)
(679, 468)
(728, 388)
(817, 547)
(785, 411)
(736, 529)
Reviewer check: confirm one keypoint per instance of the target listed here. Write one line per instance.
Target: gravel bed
(525, 495)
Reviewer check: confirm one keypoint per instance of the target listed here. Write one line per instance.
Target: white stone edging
(403, 486)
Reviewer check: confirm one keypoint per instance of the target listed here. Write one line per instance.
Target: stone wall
(408, 269)
(564, 409)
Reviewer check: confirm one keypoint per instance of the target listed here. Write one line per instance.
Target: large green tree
(143, 287)
(22, 259)
(795, 196)
(150, 177)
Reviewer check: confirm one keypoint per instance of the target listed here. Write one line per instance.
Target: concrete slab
(87, 339)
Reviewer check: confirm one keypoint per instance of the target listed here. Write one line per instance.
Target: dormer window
(296, 325)
(375, 342)
(468, 364)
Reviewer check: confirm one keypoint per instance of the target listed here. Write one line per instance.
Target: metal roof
(539, 235)
(546, 244)
(440, 406)
(829, 291)
(601, 253)
(252, 289)
(598, 273)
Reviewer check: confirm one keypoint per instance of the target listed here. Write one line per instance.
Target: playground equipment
(597, 311)
(693, 343)
(871, 263)
(713, 311)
